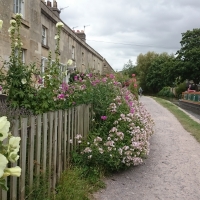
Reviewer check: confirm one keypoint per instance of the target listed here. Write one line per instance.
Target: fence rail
(46, 143)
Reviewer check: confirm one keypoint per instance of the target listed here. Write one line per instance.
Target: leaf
(3, 184)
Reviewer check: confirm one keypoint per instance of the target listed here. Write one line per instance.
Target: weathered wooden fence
(46, 143)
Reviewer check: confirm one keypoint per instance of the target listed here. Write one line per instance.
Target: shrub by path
(171, 171)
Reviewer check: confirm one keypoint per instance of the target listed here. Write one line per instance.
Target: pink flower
(40, 80)
(61, 96)
(1, 88)
(75, 78)
(135, 85)
(103, 117)
(133, 75)
(112, 76)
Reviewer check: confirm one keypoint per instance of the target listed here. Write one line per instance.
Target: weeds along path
(171, 171)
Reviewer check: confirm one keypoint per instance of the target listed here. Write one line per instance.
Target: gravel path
(171, 171)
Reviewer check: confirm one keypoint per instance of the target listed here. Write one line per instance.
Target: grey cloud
(146, 25)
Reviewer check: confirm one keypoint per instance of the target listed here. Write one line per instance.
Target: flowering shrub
(8, 152)
(122, 128)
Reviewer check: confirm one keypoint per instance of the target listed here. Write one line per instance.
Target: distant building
(38, 31)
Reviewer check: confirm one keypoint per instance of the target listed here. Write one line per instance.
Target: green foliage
(143, 63)
(188, 63)
(160, 72)
(76, 184)
(129, 69)
(165, 92)
(180, 88)
(17, 82)
(40, 188)
(108, 145)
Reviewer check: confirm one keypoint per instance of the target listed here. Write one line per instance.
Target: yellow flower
(59, 24)
(3, 163)
(1, 24)
(13, 171)
(56, 37)
(69, 62)
(4, 127)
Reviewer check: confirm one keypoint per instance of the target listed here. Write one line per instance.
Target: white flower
(4, 127)
(19, 14)
(23, 81)
(1, 24)
(65, 73)
(12, 21)
(13, 171)
(69, 62)
(11, 28)
(56, 37)
(14, 143)
(13, 157)
(3, 163)
(59, 24)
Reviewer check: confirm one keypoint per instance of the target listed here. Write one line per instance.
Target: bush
(122, 128)
(166, 92)
(180, 88)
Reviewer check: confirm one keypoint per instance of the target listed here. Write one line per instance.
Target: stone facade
(38, 31)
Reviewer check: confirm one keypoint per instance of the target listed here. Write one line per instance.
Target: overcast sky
(122, 29)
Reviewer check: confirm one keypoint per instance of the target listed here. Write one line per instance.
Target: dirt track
(171, 171)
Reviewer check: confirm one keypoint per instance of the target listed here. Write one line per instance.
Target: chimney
(55, 9)
(49, 3)
(81, 35)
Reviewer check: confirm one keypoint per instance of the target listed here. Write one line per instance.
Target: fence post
(23, 150)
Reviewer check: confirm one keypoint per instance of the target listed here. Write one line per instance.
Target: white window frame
(18, 6)
(44, 35)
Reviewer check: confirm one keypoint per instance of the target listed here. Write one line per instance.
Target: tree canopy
(188, 57)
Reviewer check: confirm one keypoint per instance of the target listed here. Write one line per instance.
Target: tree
(160, 73)
(129, 69)
(188, 57)
(143, 63)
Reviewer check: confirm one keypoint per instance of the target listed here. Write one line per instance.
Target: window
(82, 58)
(43, 65)
(73, 53)
(63, 69)
(44, 36)
(22, 54)
(19, 6)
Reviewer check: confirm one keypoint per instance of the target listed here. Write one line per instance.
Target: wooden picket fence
(46, 143)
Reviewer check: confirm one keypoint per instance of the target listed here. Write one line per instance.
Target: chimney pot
(54, 4)
(49, 3)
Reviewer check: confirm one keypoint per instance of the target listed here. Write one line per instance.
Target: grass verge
(74, 185)
(187, 122)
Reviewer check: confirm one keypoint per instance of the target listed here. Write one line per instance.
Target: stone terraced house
(38, 31)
